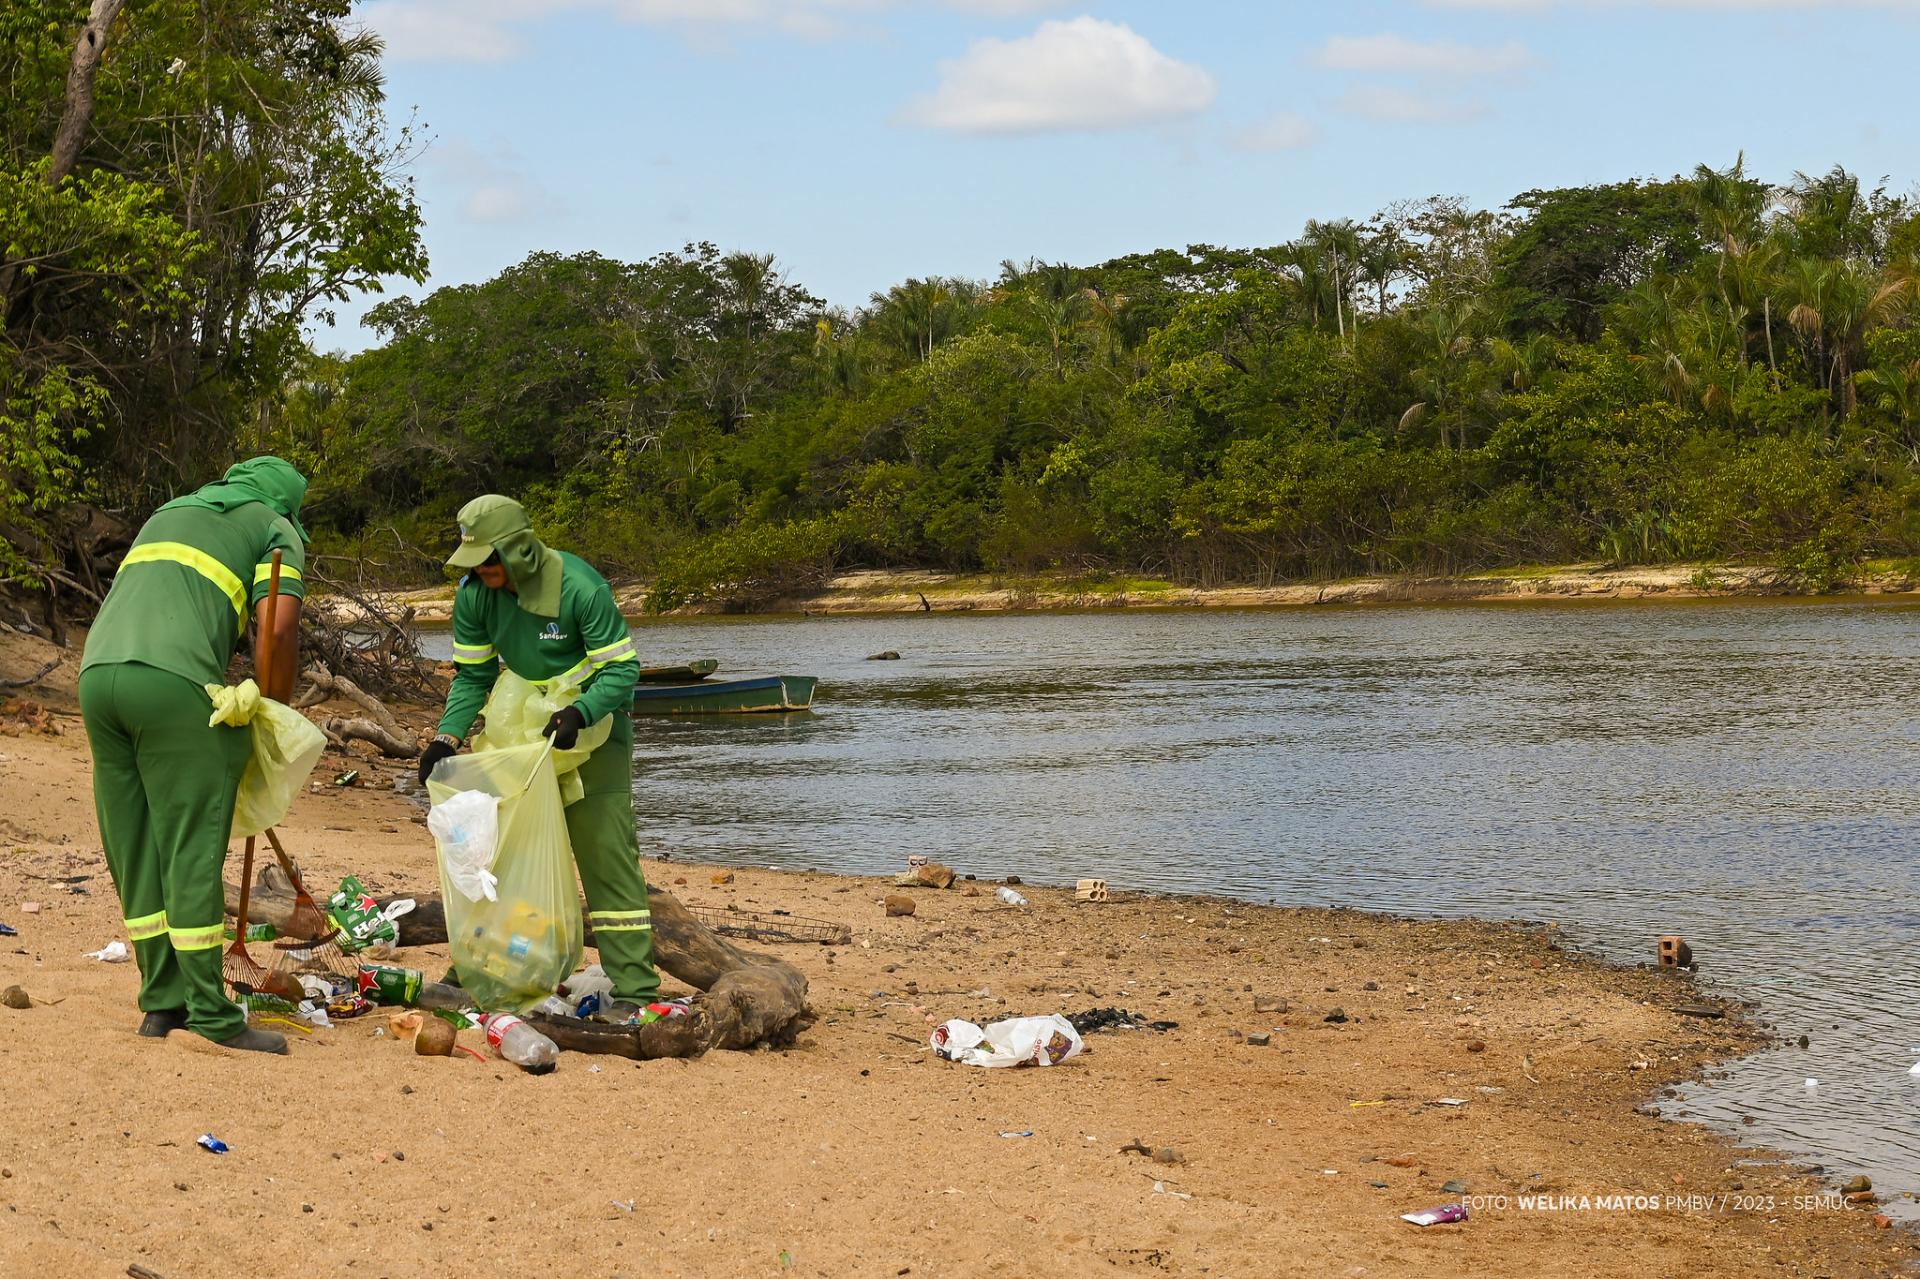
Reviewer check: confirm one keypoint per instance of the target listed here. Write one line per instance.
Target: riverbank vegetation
(183, 188)
(1708, 367)
(1714, 366)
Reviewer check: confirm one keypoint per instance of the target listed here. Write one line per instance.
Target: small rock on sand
(1269, 1004)
(1337, 1016)
(932, 875)
(722, 877)
(15, 997)
(1260, 1039)
(1853, 1187)
(899, 904)
(1168, 1155)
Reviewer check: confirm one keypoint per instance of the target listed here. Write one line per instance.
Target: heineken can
(389, 984)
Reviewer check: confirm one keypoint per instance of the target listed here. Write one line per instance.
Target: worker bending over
(164, 780)
(548, 614)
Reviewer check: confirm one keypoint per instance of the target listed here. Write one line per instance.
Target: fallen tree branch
(34, 678)
(327, 684)
(341, 731)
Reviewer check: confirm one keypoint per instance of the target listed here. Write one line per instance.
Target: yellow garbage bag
(286, 746)
(517, 709)
(512, 951)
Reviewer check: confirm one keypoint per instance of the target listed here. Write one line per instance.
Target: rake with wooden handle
(238, 967)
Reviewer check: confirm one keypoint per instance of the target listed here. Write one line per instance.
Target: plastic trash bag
(518, 709)
(286, 746)
(511, 952)
(465, 825)
(1018, 1041)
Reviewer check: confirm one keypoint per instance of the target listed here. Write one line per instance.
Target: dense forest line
(1707, 367)
(1711, 366)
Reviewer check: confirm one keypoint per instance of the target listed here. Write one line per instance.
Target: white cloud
(1284, 131)
(490, 185)
(1729, 6)
(1008, 8)
(1390, 104)
(1437, 59)
(496, 30)
(1072, 75)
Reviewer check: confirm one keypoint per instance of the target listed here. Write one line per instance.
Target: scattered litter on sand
(114, 952)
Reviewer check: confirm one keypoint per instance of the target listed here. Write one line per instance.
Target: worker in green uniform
(164, 780)
(548, 614)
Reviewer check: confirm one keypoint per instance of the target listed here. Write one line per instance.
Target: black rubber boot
(257, 1041)
(158, 1025)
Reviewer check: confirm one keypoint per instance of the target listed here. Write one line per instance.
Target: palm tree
(1522, 363)
(1894, 389)
(920, 314)
(1337, 245)
(1448, 336)
(1834, 304)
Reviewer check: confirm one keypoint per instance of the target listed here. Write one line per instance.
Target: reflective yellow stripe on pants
(208, 938)
(146, 926)
(620, 921)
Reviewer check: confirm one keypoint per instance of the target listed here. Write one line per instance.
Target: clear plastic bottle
(1010, 897)
(520, 1043)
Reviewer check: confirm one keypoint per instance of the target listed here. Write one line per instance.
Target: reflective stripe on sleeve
(200, 562)
(621, 652)
(469, 654)
(147, 926)
(208, 938)
(264, 573)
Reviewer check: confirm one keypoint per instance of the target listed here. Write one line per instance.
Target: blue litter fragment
(213, 1143)
(8, 930)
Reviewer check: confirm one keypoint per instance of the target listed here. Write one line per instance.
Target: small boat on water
(679, 674)
(726, 696)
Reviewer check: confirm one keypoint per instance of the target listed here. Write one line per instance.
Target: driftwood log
(748, 998)
(340, 731)
(323, 683)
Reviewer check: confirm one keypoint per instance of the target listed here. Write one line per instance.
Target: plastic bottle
(520, 1043)
(1010, 897)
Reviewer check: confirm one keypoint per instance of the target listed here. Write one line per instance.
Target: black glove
(437, 749)
(564, 728)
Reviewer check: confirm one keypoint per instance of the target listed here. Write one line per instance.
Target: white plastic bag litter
(114, 952)
(1018, 1041)
(466, 825)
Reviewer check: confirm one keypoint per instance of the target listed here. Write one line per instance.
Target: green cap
(485, 523)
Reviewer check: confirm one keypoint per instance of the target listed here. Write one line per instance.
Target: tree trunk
(75, 117)
(750, 998)
(78, 113)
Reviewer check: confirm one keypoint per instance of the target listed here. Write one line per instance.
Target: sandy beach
(879, 591)
(857, 1152)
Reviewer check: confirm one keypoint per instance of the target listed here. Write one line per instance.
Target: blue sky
(865, 141)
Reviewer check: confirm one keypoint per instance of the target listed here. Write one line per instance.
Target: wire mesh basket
(779, 926)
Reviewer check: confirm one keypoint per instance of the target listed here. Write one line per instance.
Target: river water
(1742, 773)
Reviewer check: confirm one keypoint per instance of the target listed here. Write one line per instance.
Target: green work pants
(163, 788)
(605, 847)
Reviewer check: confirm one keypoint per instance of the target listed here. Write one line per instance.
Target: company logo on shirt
(552, 632)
